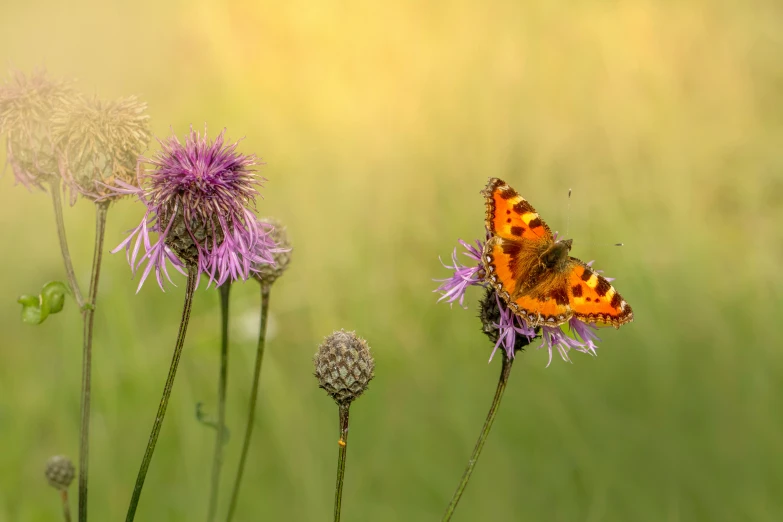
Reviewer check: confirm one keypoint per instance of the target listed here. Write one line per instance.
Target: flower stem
(217, 459)
(343, 444)
(58, 217)
(164, 401)
(66, 507)
(89, 314)
(505, 370)
(251, 413)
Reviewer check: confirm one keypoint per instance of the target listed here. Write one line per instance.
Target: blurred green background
(379, 124)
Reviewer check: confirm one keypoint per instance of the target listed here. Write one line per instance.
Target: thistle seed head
(60, 472)
(344, 366)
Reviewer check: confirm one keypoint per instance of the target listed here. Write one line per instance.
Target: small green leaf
(36, 308)
(53, 293)
(31, 309)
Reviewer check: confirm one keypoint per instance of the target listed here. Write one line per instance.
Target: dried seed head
(60, 472)
(27, 104)
(344, 366)
(268, 273)
(102, 141)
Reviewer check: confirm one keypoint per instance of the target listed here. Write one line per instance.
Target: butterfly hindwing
(594, 299)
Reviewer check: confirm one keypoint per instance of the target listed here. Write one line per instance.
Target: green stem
(58, 217)
(89, 314)
(505, 370)
(164, 401)
(66, 507)
(251, 414)
(343, 444)
(217, 459)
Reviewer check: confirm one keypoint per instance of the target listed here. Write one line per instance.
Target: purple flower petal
(453, 288)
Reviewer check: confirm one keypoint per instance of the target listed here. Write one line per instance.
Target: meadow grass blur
(379, 124)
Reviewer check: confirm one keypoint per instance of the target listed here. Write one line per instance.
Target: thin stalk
(505, 370)
(217, 459)
(164, 401)
(343, 444)
(251, 413)
(58, 217)
(66, 507)
(89, 314)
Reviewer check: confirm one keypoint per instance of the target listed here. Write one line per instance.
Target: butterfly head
(556, 255)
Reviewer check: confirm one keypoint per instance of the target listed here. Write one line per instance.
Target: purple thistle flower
(453, 288)
(197, 196)
(505, 328)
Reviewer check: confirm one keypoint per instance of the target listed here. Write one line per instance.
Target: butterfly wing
(593, 299)
(510, 216)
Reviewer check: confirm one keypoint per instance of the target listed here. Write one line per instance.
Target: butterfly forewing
(510, 216)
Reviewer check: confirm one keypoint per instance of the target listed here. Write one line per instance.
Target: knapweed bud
(60, 472)
(268, 273)
(344, 366)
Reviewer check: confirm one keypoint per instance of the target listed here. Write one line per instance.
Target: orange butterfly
(534, 274)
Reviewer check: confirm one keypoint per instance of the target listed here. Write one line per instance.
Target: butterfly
(533, 273)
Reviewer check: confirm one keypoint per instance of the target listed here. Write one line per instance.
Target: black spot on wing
(508, 193)
(517, 231)
(616, 300)
(576, 290)
(523, 207)
(511, 248)
(587, 274)
(535, 223)
(560, 296)
(602, 287)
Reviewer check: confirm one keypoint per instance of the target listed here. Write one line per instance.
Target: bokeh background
(379, 124)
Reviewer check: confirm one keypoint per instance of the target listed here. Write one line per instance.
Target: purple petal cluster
(453, 288)
(511, 326)
(198, 197)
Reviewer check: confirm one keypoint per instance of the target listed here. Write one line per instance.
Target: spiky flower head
(344, 366)
(102, 142)
(27, 105)
(512, 331)
(60, 472)
(198, 196)
(268, 273)
(501, 326)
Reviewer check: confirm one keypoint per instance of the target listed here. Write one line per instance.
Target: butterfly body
(533, 273)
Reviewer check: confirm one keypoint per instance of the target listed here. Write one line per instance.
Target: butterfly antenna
(568, 213)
